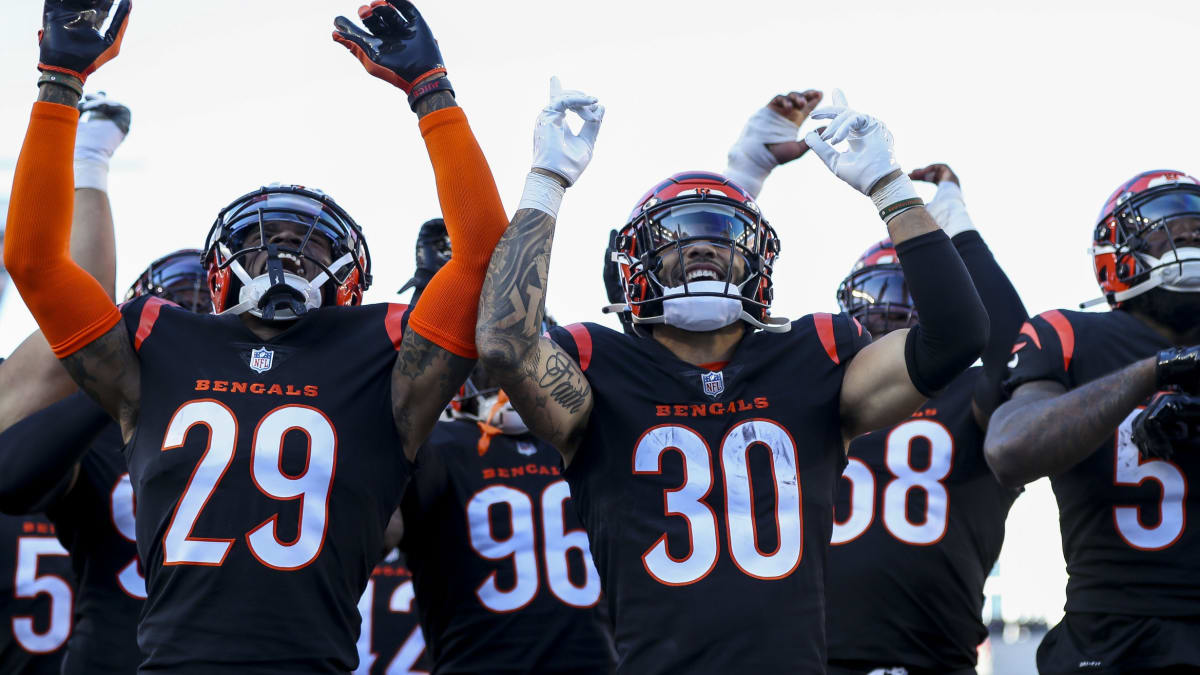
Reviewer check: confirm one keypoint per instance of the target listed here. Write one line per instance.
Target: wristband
(896, 197)
(426, 88)
(542, 193)
(91, 171)
(61, 79)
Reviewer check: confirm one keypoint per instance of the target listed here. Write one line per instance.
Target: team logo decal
(714, 383)
(526, 448)
(261, 359)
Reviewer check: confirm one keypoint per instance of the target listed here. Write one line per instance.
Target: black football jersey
(1128, 523)
(504, 577)
(707, 494)
(95, 523)
(36, 596)
(391, 641)
(265, 472)
(918, 524)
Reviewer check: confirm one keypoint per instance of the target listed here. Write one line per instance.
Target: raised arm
(74, 311)
(438, 350)
(770, 139)
(1006, 312)
(889, 378)
(32, 378)
(545, 385)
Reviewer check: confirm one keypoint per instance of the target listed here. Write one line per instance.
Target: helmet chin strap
(278, 295)
(1177, 271)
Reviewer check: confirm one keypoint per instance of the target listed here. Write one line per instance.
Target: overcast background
(1041, 108)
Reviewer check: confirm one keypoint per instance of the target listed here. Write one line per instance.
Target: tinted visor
(182, 280)
(877, 287)
(707, 221)
(285, 208)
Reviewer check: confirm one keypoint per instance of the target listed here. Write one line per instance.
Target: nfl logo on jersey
(714, 383)
(261, 359)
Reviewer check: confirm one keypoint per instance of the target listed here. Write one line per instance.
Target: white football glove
(870, 155)
(749, 161)
(555, 147)
(102, 127)
(948, 209)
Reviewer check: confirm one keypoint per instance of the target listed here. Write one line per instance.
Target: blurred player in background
(267, 447)
(703, 453)
(1105, 405)
(919, 517)
(39, 600)
(504, 576)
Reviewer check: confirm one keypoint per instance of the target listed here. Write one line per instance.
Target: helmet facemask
(178, 278)
(698, 262)
(292, 233)
(878, 297)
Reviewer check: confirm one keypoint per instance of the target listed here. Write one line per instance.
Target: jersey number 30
(311, 486)
(688, 501)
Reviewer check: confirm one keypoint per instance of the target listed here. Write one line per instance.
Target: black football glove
(1179, 367)
(399, 49)
(1171, 422)
(70, 39)
(433, 250)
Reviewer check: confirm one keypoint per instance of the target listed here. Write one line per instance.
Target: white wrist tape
(895, 198)
(949, 210)
(749, 160)
(542, 193)
(91, 173)
(96, 140)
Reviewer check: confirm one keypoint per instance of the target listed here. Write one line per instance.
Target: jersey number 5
(1130, 470)
(905, 479)
(688, 501)
(311, 486)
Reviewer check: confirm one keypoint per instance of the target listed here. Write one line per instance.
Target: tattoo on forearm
(432, 376)
(108, 371)
(512, 303)
(435, 101)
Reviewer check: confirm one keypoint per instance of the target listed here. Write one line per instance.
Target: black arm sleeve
(952, 326)
(1006, 314)
(38, 453)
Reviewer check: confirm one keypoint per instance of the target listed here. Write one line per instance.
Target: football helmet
(1148, 236)
(697, 254)
(177, 277)
(875, 293)
(247, 227)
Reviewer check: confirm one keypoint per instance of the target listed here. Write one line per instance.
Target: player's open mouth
(291, 263)
(705, 272)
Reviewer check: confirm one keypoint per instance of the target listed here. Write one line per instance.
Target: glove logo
(261, 359)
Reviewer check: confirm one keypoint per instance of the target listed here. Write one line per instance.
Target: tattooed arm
(545, 385)
(1045, 429)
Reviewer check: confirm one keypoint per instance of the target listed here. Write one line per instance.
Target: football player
(38, 592)
(504, 576)
(918, 516)
(267, 446)
(391, 641)
(703, 453)
(66, 461)
(1078, 384)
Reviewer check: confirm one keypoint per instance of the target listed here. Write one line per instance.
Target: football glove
(1179, 367)
(555, 147)
(1170, 422)
(70, 41)
(400, 47)
(749, 162)
(869, 157)
(433, 251)
(102, 127)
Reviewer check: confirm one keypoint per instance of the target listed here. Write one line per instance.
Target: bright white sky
(1042, 109)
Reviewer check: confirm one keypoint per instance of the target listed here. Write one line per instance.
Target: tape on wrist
(61, 80)
(542, 193)
(90, 173)
(896, 197)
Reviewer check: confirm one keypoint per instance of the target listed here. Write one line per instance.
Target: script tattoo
(565, 382)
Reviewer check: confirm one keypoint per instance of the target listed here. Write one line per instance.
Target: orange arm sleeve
(475, 219)
(70, 306)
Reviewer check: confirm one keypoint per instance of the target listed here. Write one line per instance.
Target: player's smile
(288, 236)
(702, 261)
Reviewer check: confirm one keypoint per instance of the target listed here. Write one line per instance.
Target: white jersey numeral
(905, 478)
(311, 486)
(1130, 469)
(780, 557)
(29, 584)
(123, 507)
(521, 547)
(405, 660)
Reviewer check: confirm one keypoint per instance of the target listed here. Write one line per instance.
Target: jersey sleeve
(841, 336)
(576, 340)
(1042, 351)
